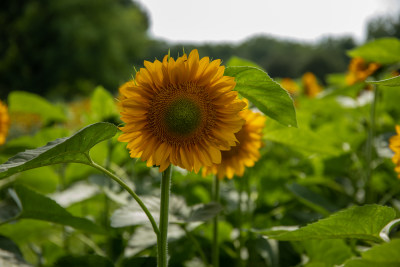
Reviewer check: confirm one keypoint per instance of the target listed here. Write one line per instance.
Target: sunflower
(4, 123)
(310, 84)
(245, 153)
(289, 85)
(180, 111)
(394, 144)
(359, 70)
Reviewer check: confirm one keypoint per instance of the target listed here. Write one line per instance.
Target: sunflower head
(359, 70)
(394, 144)
(289, 85)
(310, 84)
(180, 111)
(245, 153)
(4, 123)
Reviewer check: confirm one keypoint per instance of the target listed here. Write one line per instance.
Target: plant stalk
(215, 247)
(162, 242)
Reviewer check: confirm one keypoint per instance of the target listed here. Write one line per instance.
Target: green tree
(67, 47)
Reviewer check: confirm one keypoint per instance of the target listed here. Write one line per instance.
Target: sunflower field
(198, 162)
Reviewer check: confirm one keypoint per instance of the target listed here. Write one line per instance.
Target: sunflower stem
(162, 243)
(215, 247)
(133, 194)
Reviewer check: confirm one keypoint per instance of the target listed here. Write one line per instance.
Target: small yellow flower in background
(359, 70)
(4, 123)
(245, 153)
(180, 111)
(310, 84)
(289, 85)
(394, 144)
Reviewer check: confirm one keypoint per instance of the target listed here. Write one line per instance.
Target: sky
(213, 21)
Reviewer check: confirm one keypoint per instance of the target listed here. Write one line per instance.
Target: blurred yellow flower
(182, 112)
(245, 153)
(394, 144)
(4, 122)
(359, 70)
(289, 85)
(310, 84)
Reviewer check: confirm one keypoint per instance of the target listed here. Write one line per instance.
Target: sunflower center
(182, 117)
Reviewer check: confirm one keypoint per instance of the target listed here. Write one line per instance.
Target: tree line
(64, 48)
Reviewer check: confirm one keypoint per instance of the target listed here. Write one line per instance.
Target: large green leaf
(383, 51)
(39, 207)
(365, 222)
(267, 95)
(20, 101)
(70, 149)
(386, 255)
(392, 82)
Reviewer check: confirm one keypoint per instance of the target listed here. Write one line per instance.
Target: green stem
(133, 194)
(240, 221)
(162, 242)
(215, 247)
(371, 131)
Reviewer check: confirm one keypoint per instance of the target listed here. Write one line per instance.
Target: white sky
(236, 20)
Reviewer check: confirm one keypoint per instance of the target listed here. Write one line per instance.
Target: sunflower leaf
(63, 150)
(365, 222)
(392, 82)
(267, 95)
(386, 254)
(383, 51)
(39, 207)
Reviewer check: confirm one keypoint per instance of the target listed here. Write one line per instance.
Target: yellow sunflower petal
(180, 111)
(245, 152)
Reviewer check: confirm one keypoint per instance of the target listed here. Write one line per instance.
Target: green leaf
(102, 105)
(386, 255)
(44, 180)
(36, 206)
(301, 139)
(267, 95)
(329, 252)
(20, 101)
(312, 199)
(83, 261)
(383, 51)
(365, 222)
(71, 149)
(205, 212)
(392, 82)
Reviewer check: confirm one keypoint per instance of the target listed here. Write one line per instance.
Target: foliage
(65, 48)
(323, 193)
